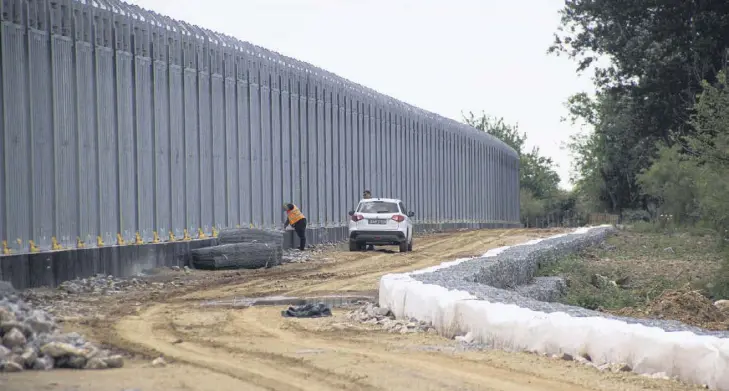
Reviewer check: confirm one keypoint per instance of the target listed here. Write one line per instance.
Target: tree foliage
(659, 55)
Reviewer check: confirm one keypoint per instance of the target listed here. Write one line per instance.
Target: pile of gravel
(32, 340)
(375, 315)
(509, 278)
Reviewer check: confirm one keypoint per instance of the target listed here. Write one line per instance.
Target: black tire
(404, 246)
(237, 256)
(353, 245)
(410, 245)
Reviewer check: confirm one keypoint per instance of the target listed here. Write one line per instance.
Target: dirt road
(218, 348)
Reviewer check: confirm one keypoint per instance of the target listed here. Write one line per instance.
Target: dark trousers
(300, 228)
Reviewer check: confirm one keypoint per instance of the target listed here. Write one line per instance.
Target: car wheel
(353, 245)
(403, 246)
(410, 245)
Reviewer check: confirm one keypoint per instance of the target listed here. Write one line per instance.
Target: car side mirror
(351, 212)
(411, 214)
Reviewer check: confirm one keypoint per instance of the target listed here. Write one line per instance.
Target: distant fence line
(123, 126)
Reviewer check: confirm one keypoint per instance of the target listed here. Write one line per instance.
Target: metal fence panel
(304, 156)
(312, 199)
(286, 144)
(17, 137)
(296, 160)
(276, 198)
(87, 158)
(144, 147)
(219, 199)
(65, 151)
(266, 179)
(163, 199)
(327, 166)
(343, 150)
(205, 134)
(107, 139)
(244, 140)
(256, 152)
(320, 152)
(232, 176)
(41, 123)
(178, 163)
(126, 147)
(136, 123)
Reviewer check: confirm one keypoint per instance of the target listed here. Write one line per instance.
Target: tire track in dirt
(234, 352)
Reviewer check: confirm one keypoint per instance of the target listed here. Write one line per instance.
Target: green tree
(659, 54)
(690, 180)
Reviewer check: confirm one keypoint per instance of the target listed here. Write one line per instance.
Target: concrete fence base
(52, 268)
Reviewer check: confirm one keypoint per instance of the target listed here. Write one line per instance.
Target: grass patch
(634, 267)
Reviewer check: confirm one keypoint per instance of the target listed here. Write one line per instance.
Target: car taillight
(357, 218)
(398, 218)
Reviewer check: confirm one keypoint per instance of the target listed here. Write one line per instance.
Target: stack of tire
(241, 248)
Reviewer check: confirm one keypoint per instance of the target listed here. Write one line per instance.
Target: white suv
(381, 221)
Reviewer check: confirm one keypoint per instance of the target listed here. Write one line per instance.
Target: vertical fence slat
(276, 198)
(244, 140)
(17, 137)
(232, 173)
(218, 120)
(145, 144)
(41, 127)
(266, 172)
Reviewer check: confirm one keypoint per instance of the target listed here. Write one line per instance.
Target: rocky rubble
(374, 315)
(32, 340)
(108, 285)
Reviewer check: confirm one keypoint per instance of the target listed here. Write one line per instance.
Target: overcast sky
(448, 57)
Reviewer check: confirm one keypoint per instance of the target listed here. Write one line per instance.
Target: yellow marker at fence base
(119, 240)
(54, 244)
(185, 235)
(172, 237)
(215, 232)
(138, 239)
(99, 241)
(6, 250)
(155, 237)
(79, 243)
(201, 234)
(33, 247)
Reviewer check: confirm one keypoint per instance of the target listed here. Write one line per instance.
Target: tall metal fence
(120, 126)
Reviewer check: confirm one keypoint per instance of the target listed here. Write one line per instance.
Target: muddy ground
(255, 348)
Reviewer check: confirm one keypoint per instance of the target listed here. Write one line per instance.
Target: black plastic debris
(319, 310)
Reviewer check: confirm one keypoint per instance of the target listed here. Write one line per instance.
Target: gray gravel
(509, 278)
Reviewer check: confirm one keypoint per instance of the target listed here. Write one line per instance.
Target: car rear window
(378, 207)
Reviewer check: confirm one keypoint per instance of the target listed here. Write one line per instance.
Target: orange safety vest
(294, 215)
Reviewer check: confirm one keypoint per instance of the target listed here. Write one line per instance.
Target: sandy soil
(218, 348)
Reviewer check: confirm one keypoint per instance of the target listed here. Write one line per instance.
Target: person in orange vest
(297, 221)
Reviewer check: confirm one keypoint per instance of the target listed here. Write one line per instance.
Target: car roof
(380, 199)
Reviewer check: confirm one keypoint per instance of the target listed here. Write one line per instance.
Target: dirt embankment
(257, 349)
